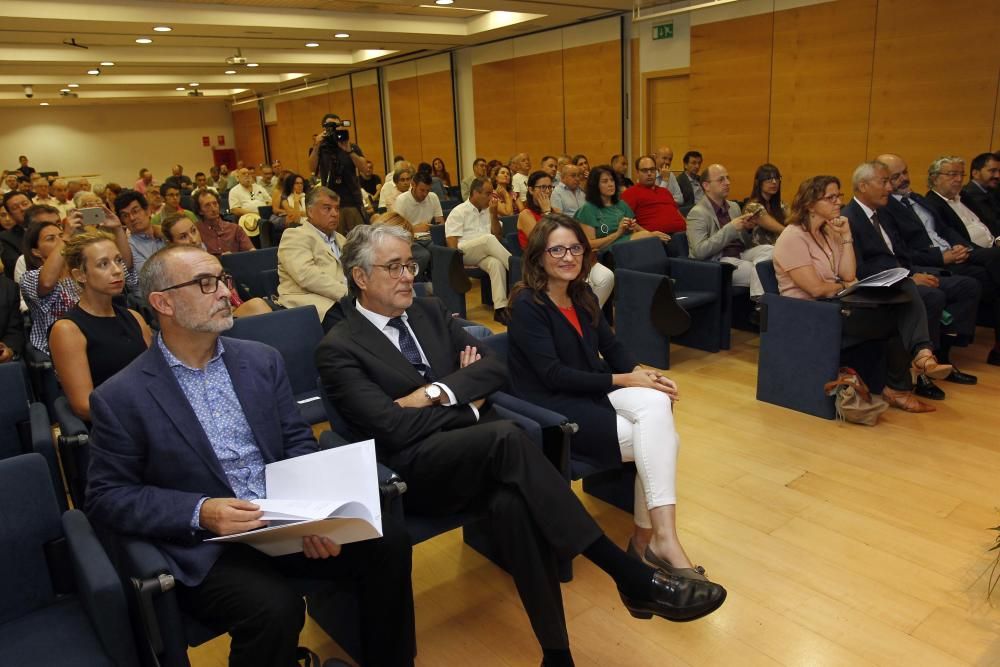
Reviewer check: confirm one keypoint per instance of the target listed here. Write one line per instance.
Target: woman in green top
(607, 219)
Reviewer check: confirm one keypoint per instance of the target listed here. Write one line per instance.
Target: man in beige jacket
(309, 268)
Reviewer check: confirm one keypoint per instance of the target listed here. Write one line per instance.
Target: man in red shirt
(654, 207)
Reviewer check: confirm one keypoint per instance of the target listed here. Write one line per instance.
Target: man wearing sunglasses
(178, 448)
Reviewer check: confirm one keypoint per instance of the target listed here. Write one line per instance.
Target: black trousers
(248, 594)
(959, 295)
(983, 265)
(535, 518)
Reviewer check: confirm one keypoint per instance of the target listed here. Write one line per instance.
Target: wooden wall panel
(635, 106)
(593, 89)
(493, 100)
(539, 125)
(731, 95)
(669, 115)
(437, 120)
(820, 90)
(934, 87)
(404, 109)
(248, 135)
(305, 125)
(368, 125)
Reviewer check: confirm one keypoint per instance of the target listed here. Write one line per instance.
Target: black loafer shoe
(926, 388)
(958, 377)
(994, 358)
(677, 599)
(502, 315)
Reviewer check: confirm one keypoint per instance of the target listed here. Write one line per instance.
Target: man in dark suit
(690, 181)
(401, 370)
(932, 243)
(179, 444)
(944, 177)
(982, 193)
(878, 246)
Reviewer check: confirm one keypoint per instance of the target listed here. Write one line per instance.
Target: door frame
(647, 117)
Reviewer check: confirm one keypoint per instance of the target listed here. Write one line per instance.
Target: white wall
(111, 141)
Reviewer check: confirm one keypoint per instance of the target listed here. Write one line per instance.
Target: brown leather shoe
(927, 364)
(905, 401)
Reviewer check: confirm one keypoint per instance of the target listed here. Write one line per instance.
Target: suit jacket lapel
(367, 336)
(438, 356)
(588, 341)
(166, 392)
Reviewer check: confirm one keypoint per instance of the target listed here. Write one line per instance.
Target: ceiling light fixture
(252, 65)
(107, 63)
(230, 71)
(144, 40)
(193, 85)
(95, 72)
(312, 45)
(342, 35)
(162, 28)
(64, 90)
(72, 85)
(180, 88)
(43, 104)
(444, 2)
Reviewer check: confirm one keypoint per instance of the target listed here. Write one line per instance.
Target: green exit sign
(665, 31)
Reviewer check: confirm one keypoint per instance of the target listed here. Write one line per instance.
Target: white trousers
(745, 274)
(488, 254)
(646, 435)
(602, 280)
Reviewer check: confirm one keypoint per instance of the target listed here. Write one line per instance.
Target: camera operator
(335, 161)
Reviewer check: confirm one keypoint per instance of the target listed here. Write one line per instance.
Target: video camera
(336, 132)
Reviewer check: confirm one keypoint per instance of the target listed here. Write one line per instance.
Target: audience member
(564, 356)
(217, 178)
(561, 162)
(567, 195)
(474, 228)
(336, 165)
(980, 194)
(6, 222)
(61, 195)
(110, 193)
(419, 205)
(40, 186)
(402, 176)
(520, 165)
(717, 231)
(878, 246)
(619, 163)
(606, 218)
(180, 180)
(11, 321)
(310, 271)
(97, 337)
(500, 177)
(438, 170)
(944, 177)
(219, 236)
(550, 165)
(267, 179)
(400, 370)
(654, 207)
(133, 211)
(767, 192)
(12, 239)
(814, 259)
(9, 182)
(85, 184)
(369, 181)
(72, 187)
(478, 171)
(231, 399)
(201, 184)
(581, 161)
(155, 200)
(689, 181)
(25, 169)
(172, 203)
(247, 196)
(46, 285)
(24, 186)
(293, 199)
(666, 179)
(145, 181)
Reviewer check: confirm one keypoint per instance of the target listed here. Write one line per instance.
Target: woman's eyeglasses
(559, 251)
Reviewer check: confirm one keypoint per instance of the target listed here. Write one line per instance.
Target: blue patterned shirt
(213, 399)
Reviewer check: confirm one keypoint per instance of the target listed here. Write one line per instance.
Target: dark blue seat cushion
(59, 634)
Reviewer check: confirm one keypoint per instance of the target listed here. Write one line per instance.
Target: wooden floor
(839, 544)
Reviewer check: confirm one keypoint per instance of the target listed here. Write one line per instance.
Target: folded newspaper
(332, 493)
(885, 278)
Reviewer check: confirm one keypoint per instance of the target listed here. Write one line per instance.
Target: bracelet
(847, 242)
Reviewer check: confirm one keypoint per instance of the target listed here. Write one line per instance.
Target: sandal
(925, 363)
(905, 401)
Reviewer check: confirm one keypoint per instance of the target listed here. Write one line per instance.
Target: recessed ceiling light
(312, 45)
(230, 71)
(72, 85)
(107, 63)
(180, 88)
(444, 2)
(252, 65)
(342, 35)
(193, 85)
(43, 104)
(162, 28)
(93, 71)
(64, 90)
(144, 40)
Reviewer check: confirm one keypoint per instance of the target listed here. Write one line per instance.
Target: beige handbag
(854, 400)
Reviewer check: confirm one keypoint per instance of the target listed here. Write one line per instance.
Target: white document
(881, 279)
(332, 493)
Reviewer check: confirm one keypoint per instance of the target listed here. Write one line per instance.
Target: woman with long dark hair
(767, 193)
(606, 219)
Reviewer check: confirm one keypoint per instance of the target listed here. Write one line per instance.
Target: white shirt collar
(380, 321)
(868, 211)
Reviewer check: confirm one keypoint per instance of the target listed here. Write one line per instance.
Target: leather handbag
(854, 401)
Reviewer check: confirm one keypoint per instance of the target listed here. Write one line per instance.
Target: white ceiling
(272, 33)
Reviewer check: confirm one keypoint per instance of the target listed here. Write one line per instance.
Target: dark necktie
(906, 202)
(408, 347)
(881, 232)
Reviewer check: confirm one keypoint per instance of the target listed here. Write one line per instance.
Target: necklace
(828, 251)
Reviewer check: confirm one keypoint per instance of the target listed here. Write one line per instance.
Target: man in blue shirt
(179, 444)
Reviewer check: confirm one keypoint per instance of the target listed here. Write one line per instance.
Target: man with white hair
(60, 192)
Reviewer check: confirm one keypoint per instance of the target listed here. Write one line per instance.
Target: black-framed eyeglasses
(208, 284)
(559, 251)
(395, 269)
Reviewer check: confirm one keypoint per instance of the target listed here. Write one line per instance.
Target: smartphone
(93, 215)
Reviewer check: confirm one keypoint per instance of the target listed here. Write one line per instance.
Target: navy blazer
(944, 212)
(870, 249)
(151, 462)
(911, 231)
(985, 204)
(552, 365)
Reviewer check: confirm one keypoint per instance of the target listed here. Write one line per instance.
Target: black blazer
(911, 230)
(870, 249)
(986, 205)
(684, 181)
(552, 365)
(363, 374)
(11, 241)
(945, 214)
(11, 320)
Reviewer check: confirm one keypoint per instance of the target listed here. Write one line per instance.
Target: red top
(655, 209)
(570, 314)
(522, 238)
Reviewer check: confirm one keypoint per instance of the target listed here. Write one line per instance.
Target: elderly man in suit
(717, 231)
(944, 177)
(400, 370)
(982, 193)
(878, 246)
(309, 266)
(179, 444)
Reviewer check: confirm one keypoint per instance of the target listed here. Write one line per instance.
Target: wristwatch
(434, 394)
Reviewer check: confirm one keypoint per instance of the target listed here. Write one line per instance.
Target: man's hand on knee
(226, 516)
(314, 546)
